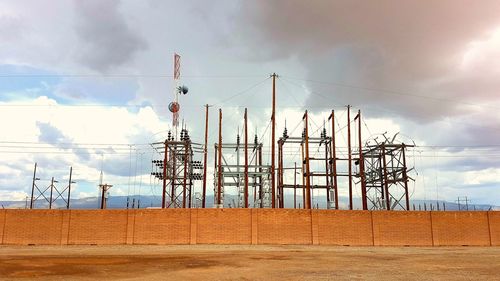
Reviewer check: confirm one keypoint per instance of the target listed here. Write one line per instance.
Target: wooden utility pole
(273, 137)
(349, 153)
(51, 192)
(219, 170)
(69, 186)
(104, 188)
(164, 177)
(295, 185)
(33, 187)
(205, 156)
(334, 160)
(364, 200)
(246, 159)
(307, 174)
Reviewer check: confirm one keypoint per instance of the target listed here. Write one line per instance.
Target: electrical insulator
(255, 140)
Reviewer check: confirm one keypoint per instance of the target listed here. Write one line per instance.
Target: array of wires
(138, 153)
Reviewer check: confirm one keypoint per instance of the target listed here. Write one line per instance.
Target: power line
(122, 76)
(391, 92)
(241, 92)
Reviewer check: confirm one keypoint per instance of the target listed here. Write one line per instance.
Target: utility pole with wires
(273, 141)
(104, 194)
(465, 200)
(51, 193)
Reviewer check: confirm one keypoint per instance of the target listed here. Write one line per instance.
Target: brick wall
(283, 226)
(494, 220)
(98, 227)
(460, 228)
(249, 226)
(392, 228)
(352, 228)
(2, 224)
(23, 227)
(167, 226)
(224, 226)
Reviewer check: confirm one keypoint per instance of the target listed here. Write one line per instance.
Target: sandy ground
(216, 262)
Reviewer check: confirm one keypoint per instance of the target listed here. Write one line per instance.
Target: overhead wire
(392, 92)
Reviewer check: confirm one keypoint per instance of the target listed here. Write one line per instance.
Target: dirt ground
(216, 262)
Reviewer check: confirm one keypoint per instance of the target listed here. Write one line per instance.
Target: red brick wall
(460, 228)
(285, 226)
(2, 224)
(393, 228)
(23, 227)
(224, 226)
(494, 220)
(167, 226)
(344, 227)
(97, 227)
(248, 226)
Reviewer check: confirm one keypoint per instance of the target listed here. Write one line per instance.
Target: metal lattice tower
(178, 170)
(233, 176)
(387, 175)
(320, 178)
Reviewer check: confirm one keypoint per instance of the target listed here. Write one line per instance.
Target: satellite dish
(174, 107)
(182, 89)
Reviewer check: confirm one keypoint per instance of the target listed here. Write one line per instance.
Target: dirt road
(216, 262)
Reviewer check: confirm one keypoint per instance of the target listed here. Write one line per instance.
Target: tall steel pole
(273, 136)
(349, 152)
(361, 165)
(205, 156)
(246, 159)
(33, 188)
(219, 171)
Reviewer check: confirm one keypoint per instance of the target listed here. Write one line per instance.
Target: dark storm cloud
(411, 48)
(106, 40)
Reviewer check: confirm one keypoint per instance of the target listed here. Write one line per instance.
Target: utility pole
(33, 188)
(104, 188)
(69, 186)
(362, 165)
(246, 159)
(273, 137)
(334, 160)
(51, 191)
(308, 179)
(295, 185)
(219, 171)
(164, 176)
(349, 152)
(205, 156)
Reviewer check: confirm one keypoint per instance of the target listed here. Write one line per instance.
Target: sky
(86, 84)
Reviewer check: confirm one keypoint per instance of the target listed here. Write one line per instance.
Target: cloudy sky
(87, 84)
